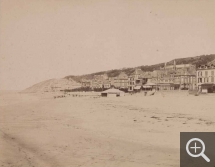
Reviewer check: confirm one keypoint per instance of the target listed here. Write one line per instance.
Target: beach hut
(207, 88)
(137, 88)
(112, 93)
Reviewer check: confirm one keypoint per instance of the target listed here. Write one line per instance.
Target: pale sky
(44, 39)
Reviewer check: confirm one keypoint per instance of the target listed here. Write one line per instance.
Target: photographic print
(107, 83)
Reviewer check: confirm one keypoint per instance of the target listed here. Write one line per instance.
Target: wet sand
(37, 130)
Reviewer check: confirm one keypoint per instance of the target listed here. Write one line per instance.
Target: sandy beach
(37, 130)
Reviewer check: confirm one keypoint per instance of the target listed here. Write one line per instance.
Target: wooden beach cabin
(112, 93)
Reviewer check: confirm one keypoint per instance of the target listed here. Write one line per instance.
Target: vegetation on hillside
(198, 60)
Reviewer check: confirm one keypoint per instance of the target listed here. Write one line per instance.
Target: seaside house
(131, 83)
(142, 80)
(96, 84)
(186, 79)
(148, 80)
(165, 82)
(135, 80)
(100, 82)
(138, 81)
(85, 83)
(121, 81)
(106, 84)
(112, 81)
(206, 78)
(146, 77)
(163, 79)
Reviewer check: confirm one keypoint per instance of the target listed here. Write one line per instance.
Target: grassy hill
(52, 85)
(198, 60)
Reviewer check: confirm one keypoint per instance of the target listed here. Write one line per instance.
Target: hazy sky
(44, 39)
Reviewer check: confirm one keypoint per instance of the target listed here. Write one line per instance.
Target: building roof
(206, 67)
(137, 87)
(146, 75)
(122, 75)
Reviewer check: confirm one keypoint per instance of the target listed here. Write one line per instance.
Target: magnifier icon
(201, 153)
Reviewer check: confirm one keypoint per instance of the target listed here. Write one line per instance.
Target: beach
(38, 130)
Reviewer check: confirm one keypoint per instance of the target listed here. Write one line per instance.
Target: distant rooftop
(204, 67)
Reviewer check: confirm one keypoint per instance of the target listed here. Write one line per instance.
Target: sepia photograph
(107, 83)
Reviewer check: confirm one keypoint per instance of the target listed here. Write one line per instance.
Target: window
(206, 73)
(212, 73)
(212, 79)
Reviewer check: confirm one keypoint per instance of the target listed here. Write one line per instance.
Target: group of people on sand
(147, 92)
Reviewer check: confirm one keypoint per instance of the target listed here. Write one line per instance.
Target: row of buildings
(170, 77)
